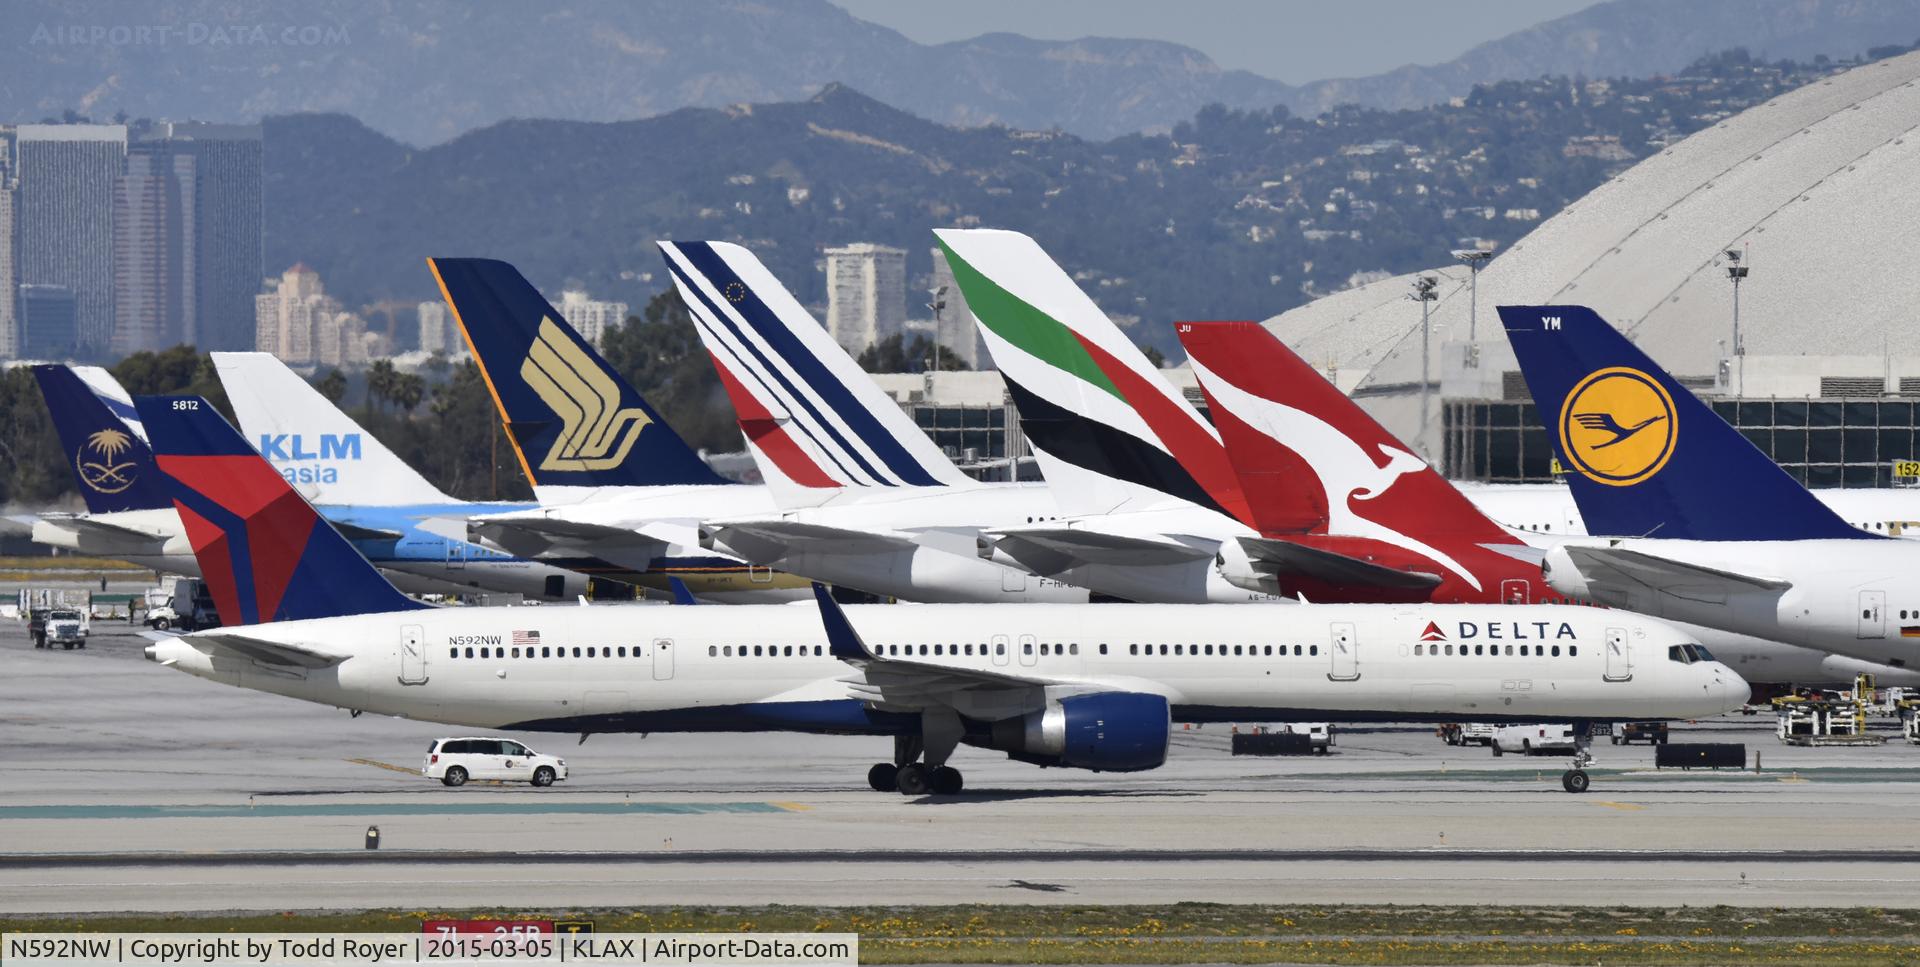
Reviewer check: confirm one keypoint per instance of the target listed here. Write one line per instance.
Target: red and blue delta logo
(1433, 633)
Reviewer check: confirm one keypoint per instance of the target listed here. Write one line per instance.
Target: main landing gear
(1575, 779)
(939, 735)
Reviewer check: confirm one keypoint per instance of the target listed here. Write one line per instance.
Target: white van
(454, 761)
(1534, 740)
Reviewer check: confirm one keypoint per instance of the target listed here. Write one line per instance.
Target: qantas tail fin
(809, 412)
(111, 462)
(326, 455)
(263, 551)
(574, 421)
(1644, 457)
(1111, 433)
(1311, 460)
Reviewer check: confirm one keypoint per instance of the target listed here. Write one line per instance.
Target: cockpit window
(1688, 654)
(1700, 653)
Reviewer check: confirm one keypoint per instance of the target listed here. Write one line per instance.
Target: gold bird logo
(595, 432)
(99, 461)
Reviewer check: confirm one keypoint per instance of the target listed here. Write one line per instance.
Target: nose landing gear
(1575, 779)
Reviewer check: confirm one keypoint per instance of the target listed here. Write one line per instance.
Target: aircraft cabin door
(1344, 646)
(413, 655)
(1000, 645)
(1027, 654)
(1873, 614)
(1012, 580)
(456, 556)
(1619, 660)
(662, 659)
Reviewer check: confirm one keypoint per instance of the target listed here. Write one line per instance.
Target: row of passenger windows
(1538, 651)
(590, 651)
(764, 651)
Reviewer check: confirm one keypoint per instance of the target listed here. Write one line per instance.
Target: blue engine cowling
(1104, 732)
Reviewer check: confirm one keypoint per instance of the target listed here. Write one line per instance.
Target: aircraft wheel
(1575, 780)
(945, 780)
(883, 777)
(912, 780)
(455, 776)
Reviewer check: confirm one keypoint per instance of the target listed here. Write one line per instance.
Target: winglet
(680, 593)
(842, 641)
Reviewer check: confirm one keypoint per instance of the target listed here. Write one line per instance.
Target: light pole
(1425, 292)
(1475, 258)
(1736, 272)
(939, 302)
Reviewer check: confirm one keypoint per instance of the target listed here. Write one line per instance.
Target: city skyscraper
(9, 267)
(866, 294)
(296, 321)
(433, 326)
(589, 318)
(49, 324)
(63, 215)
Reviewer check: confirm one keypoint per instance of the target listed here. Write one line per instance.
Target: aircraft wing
(531, 536)
(271, 652)
(903, 683)
(1664, 573)
(1287, 559)
(1052, 550)
(93, 530)
(768, 541)
(358, 532)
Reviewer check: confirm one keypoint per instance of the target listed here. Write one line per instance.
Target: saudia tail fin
(1311, 460)
(810, 413)
(110, 462)
(326, 455)
(114, 396)
(1111, 432)
(1644, 457)
(572, 419)
(263, 551)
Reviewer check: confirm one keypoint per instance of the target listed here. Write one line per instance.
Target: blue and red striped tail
(265, 554)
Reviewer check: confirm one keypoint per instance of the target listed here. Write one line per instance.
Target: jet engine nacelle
(1104, 732)
(1565, 576)
(1237, 569)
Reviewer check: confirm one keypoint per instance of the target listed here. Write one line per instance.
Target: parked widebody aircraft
(129, 516)
(1083, 686)
(1721, 536)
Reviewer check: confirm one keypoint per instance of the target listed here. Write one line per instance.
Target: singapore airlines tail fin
(811, 416)
(263, 551)
(1309, 458)
(109, 460)
(1643, 456)
(318, 448)
(1111, 434)
(573, 420)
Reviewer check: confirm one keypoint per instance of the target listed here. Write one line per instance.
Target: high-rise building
(433, 326)
(49, 322)
(299, 323)
(589, 318)
(955, 328)
(9, 274)
(64, 217)
(866, 294)
(187, 237)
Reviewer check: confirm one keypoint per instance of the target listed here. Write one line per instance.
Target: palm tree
(381, 377)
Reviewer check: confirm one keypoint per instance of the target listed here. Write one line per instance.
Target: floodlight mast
(1425, 292)
(1475, 258)
(1736, 272)
(939, 303)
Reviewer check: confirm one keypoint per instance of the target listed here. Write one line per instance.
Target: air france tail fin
(326, 455)
(809, 412)
(573, 420)
(1311, 460)
(1643, 456)
(264, 553)
(1111, 433)
(111, 464)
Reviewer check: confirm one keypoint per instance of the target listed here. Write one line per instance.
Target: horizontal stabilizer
(1053, 550)
(271, 652)
(96, 532)
(1665, 573)
(1286, 559)
(767, 541)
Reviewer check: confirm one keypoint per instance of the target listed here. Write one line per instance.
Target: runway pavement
(132, 787)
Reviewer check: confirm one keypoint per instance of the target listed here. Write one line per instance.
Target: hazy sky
(1288, 40)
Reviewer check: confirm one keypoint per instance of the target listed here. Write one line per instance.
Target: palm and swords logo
(104, 461)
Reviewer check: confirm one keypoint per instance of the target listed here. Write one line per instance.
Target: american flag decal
(526, 637)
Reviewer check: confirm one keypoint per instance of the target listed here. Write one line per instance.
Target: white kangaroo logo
(1345, 470)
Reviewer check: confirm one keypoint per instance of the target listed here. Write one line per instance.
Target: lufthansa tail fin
(1643, 456)
(1111, 433)
(263, 551)
(804, 404)
(111, 463)
(574, 421)
(1310, 459)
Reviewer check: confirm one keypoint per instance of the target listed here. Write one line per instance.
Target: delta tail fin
(265, 554)
(1111, 433)
(1310, 459)
(326, 455)
(111, 463)
(1643, 456)
(811, 415)
(573, 420)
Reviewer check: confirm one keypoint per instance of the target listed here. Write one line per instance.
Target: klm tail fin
(1644, 457)
(804, 404)
(1111, 433)
(1310, 459)
(326, 455)
(573, 420)
(265, 554)
(111, 463)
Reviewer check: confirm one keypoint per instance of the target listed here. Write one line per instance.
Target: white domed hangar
(1813, 190)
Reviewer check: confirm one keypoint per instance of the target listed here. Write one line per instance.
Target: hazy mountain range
(424, 71)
